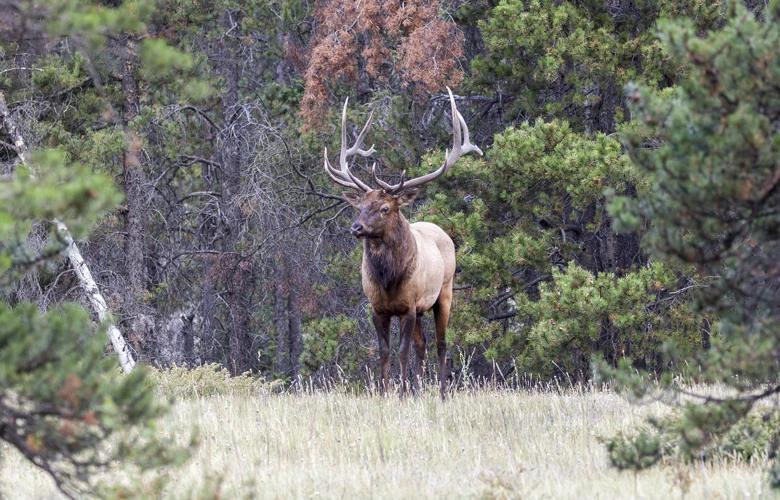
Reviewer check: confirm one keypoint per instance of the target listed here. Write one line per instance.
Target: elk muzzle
(357, 230)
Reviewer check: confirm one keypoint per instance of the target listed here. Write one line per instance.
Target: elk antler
(461, 145)
(343, 175)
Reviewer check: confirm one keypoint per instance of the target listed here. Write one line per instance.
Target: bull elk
(407, 269)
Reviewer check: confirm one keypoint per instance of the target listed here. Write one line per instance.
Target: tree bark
(287, 319)
(208, 349)
(208, 345)
(96, 299)
(705, 329)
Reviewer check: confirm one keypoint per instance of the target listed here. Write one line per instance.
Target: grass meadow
(486, 444)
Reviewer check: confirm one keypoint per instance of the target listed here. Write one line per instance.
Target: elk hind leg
(441, 314)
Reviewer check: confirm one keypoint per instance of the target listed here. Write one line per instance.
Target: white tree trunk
(96, 299)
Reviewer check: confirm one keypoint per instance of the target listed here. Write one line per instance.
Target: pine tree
(550, 284)
(64, 405)
(571, 59)
(711, 149)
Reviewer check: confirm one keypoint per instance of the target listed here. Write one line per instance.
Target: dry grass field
(480, 444)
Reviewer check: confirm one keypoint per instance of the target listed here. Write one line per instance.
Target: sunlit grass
(478, 444)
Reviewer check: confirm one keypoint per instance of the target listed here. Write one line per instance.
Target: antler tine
(468, 147)
(387, 187)
(336, 175)
(384, 185)
(343, 175)
(461, 145)
(457, 139)
(398, 187)
(356, 147)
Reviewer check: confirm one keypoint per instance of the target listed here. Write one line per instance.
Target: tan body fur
(433, 272)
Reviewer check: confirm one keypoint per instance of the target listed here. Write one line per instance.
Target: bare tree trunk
(208, 347)
(287, 319)
(96, 299)
(629, 250)
(135, 202)
(237, 271)
(603, 111)
(243, 356)
(705, 329)
(281, 321)
(295, 335)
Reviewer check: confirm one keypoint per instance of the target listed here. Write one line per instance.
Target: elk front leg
(407, 330)
(382, 325)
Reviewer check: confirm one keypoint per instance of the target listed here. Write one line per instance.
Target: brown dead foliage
(407, 44)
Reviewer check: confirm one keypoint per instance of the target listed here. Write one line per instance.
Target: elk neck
(391, 259)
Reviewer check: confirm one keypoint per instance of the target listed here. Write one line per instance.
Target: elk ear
(352, 197)
(407, 197)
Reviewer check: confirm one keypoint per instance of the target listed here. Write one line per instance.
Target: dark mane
(391, 259)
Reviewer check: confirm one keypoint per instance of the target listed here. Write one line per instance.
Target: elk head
(379, 208)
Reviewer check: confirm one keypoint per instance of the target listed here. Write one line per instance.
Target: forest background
(230, 245)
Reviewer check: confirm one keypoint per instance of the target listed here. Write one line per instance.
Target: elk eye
(384, 210)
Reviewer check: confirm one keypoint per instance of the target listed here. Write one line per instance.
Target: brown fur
(391, 259)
